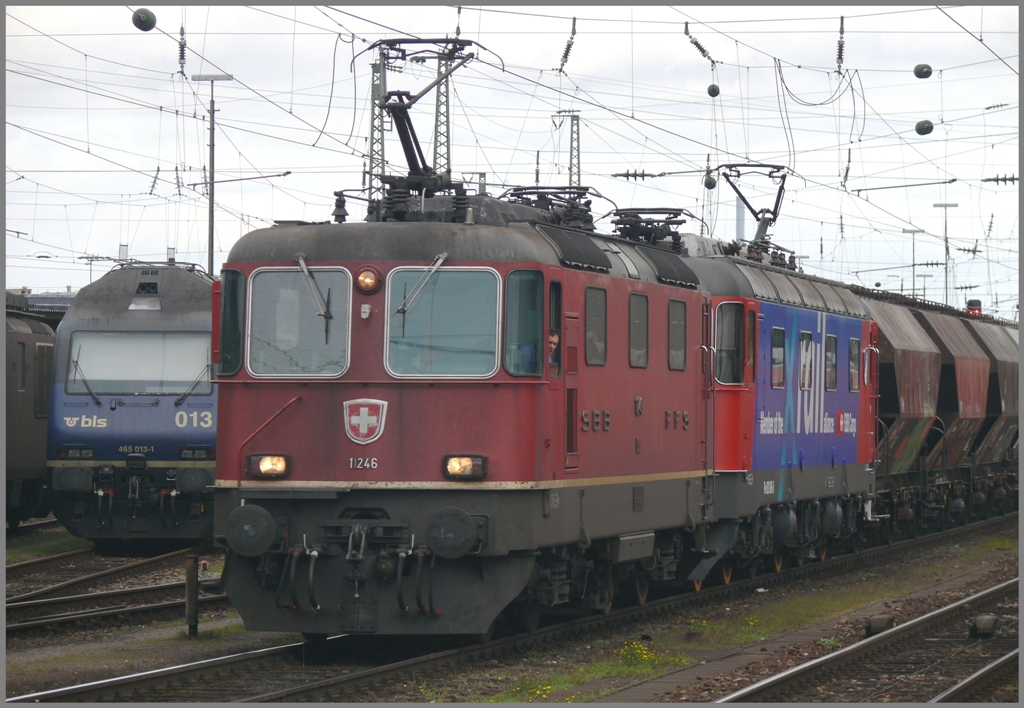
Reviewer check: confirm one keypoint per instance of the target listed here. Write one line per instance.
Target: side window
(597, 327)
(806, 361)
(676, 335)
(729, 343)
(231, 302)
(831, 362)
(778, 357)
(854, 365)
(525, 348)
(20, 364)
(44, 375)
(752, 345)
(554, 346)
(638, 330)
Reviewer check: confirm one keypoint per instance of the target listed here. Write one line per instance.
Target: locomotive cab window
(751, 346)
(231, 304)
(831, 362)
(676, 335)
(139, 362)
(854, 365)
(729, 343)
(597, 327)
(806, 361)
(525, 348)
(443, 324)
(638, 330)
(778, 357)
(298, 323)
(555, 329)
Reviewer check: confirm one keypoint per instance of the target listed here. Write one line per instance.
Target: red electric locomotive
(471, 406)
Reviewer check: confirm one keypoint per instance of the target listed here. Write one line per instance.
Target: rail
(764, 690)
(960, 692)
(331, 688)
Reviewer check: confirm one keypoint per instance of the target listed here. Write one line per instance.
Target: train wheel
(697, 584)
(779, 562)
(886, 533)
(526, 616)
(638, 589)
(822, 553)
(486, 637)
(751, 570)
(726, 575)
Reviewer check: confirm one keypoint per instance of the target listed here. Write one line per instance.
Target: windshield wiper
(182, 397)
(81, 374)
(322, 309)
(411, 298)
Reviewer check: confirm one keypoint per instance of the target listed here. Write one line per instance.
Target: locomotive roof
(168, 296)
(727, 275)
(26, 325)
(394, 241)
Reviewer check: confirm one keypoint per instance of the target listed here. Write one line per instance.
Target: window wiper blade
(322, 309)
(411, 298)
(81, 375)
(182, 397)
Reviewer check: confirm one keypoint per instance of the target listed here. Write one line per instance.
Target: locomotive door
(707, 363)
(572, 343)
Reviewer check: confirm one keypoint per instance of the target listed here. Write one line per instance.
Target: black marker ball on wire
(144, 19)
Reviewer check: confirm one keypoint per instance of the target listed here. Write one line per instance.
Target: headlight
(268, 466)
(368, 280)
(465, 467)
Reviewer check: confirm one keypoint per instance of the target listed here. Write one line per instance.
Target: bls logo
(87, 422)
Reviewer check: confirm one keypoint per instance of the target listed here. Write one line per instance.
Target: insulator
(700, 47)
(565, 54)
(181, 51)
(839, 53)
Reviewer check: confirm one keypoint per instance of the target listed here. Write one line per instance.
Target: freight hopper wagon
(470, 405)
(948, 414)
(133, 414)
(29, 367)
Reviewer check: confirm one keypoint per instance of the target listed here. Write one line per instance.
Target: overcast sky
(95, 107)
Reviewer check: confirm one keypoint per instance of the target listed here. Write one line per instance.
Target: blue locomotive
(133, 415)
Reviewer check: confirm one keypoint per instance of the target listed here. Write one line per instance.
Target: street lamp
(945, 206)
(924, 292)
(211, 78)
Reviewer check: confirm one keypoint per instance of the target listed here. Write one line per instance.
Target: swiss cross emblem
(364, 419)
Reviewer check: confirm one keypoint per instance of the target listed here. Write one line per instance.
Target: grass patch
(1002, 542)
(206, 634)
(634, 660)
(42, 543)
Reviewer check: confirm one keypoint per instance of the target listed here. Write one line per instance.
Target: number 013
(197, 420)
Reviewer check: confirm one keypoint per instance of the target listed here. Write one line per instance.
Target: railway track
(905, 663)
(35, 578)
(56, 611)
(307, 671)
(987, 684)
